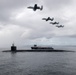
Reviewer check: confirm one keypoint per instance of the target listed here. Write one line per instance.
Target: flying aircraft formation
(53, 22)
(36, 7)
(57, 24)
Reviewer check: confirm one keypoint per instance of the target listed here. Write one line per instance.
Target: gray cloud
(9, 6)
(57, 4)
(14, 4)
(19, 24)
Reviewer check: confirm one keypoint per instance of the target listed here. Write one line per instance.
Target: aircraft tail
(50, 22)
(41, 8)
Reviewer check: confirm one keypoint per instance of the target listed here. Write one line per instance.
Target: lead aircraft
(35, 7)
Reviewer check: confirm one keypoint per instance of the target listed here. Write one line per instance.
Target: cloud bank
(24, 26)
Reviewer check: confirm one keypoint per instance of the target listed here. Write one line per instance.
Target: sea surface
(38, 63)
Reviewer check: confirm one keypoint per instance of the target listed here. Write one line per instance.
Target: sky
(24, 26)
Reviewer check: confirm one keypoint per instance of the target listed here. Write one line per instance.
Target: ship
(41, 48)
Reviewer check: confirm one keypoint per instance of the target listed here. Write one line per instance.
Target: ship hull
(38, 50)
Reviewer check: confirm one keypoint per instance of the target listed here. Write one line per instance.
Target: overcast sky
(25, 27)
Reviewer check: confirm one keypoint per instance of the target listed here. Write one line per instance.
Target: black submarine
(36, 48)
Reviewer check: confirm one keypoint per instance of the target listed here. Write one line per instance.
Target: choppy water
(38, 63)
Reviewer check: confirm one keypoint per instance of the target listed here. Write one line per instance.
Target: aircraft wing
(43, 18)
(30, 7)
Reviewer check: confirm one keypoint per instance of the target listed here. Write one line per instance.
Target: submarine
(35, 48)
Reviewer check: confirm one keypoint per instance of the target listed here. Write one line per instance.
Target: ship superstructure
(41, 48)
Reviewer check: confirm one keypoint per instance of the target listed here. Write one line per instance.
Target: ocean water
(38, 63)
